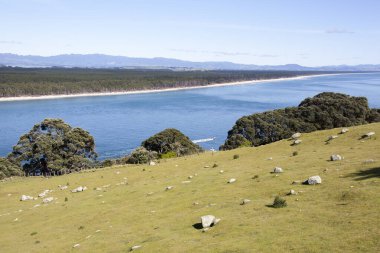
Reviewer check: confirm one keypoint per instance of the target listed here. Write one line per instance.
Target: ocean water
(120, 123)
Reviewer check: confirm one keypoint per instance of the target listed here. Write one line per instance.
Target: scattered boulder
(190, 177)
(206, 167)
(76, 245)
(296, 136)
(292, 192)
(151, 163)
(336, 158)
(209, 221)
(135, 247)
(313, 180)
(79, 189)
(62, 187)
(232, 180)
(296, 142)
(43, 194)
(26, 197)
(344, 130)
(186, 182)
(47, 200)
(278, 170)
(270, 159)
(169, 188)
(221, 171)
(368, 135)
(332, 137)
(245, 201)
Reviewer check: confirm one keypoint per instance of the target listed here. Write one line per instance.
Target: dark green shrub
(279, 202)
(54, 147)
(8, 169)
(141, 156)
(107, 163)
(236, 156)
(66, 199)
(170, 154)
(295, 153)
(171, 140)
(215, 165)
(33, 233)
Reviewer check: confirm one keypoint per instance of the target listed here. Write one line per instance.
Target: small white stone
(221, 171)
(278, 170)
(135, 247)
(169, 188)
(47, 200)
(296, 135)
(232, 180)
(314, 180)
(336, 157)
(245, 201)
(76, 245)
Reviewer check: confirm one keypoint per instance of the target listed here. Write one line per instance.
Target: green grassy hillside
(340, 215)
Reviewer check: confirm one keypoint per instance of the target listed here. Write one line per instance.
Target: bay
(120, 123)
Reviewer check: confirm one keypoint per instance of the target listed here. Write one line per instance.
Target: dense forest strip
(17, 82)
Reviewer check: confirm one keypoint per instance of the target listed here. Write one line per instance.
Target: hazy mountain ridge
(108, 61)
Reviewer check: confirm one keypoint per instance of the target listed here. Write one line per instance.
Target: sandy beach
(5, 99)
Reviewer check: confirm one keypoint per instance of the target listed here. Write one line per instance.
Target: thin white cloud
(339, 31)
(12, 42)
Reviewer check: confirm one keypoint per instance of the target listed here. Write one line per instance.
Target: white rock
(335, 158)
(151, 163)
(344, 130)
(296, 135)
(221, 171)
(206, 166)
(26, 197)
(47, 200)
(63, 187)
(135, 247)
(296, 142)
(278, 170)
(369, 134)
(186, 182)
(292, 192)
(79, 189)
(168, 188)
(43, 194)
(190, 177)
(76, 245)
(270, 158)
(314, 180)
(117, 172)
(232, 180)
(332, 137)
(245, 201)
(207, 220)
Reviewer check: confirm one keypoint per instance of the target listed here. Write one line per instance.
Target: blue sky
(307, 32)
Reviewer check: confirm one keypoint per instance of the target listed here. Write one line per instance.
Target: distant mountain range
(108, 61)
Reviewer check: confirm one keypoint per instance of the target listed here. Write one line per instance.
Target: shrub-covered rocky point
(53, 148)
(171, 143)
(324, 111)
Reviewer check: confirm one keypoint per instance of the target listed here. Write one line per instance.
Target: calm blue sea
(120, 123)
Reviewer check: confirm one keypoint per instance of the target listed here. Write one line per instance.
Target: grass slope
(340, 215)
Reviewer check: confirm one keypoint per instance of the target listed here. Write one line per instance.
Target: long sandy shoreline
(7, 99)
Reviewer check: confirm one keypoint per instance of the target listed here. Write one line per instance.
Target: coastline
(98, 94)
